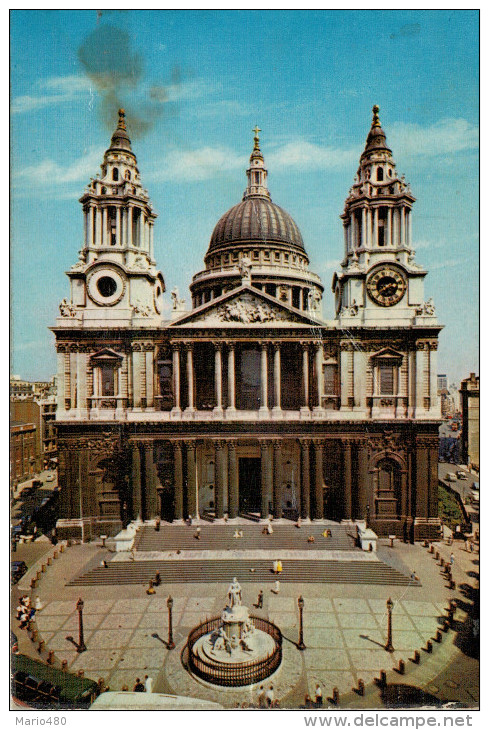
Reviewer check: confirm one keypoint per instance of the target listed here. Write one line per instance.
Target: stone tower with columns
(249, 403)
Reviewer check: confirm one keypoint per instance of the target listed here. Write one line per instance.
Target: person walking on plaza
(270, 695)
(262, 699)
(279, 567)
(148, 683)
(138, 686)
(276, 588)
(259, 600)
(318, 696)
(452, 558)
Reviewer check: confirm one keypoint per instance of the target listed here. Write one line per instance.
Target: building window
(330, 379)
(386, 378)
(115, 174)
(107, 377)
(127, 175)
(380, 174)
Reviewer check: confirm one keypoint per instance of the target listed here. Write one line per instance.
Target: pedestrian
(150, 590)
(157, 524)
(262, 699)
(311, 538)
(148, 683)
(157, 579)
(197, 533)
(279, 566)
(471, 544)
(259, 600)
(270, 696)
(269, 529)
(103, 564)
(452, 558)
(318, 696)
(138, 686)
(276, 588)
(299, 522)
(275, 566)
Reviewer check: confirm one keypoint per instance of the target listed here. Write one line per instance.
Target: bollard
(55, 555)
(68, 542)
(50, 560)
(61, 548)
(101, 684)
(438, 636)
(431, 548)
(446, 626)
(401, 667)
(80, 673)
(383, 678)
(64, 665)
(417, 657)
(425, 543)
(43, 568)
(437, 555)
(336, 696)
(38, 575)
(442, 562)
(40, 647)
(34, 635)
(33, 583)
(451, 584)
(50, 659)
(429, 646)
(361, 687)
(452, 604)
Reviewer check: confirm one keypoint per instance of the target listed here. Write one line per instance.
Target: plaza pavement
(344, 628)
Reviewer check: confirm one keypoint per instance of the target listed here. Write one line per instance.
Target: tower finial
(256, 137)
(122, 120)
(375, 120)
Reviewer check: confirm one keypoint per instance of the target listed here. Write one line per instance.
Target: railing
(235, 675)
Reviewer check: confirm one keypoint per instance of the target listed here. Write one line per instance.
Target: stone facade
(249, 403)
(469, 399)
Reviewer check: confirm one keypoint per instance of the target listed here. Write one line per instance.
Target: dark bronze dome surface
(255, 219)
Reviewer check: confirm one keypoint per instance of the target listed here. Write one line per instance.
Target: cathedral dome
(255, 220)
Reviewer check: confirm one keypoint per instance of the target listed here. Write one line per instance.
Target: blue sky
(194, 84)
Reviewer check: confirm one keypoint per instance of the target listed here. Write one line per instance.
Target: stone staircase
(251, 571)
(220, 537)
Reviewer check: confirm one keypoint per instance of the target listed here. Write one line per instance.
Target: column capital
(218, 444)
(175, 346)
(188, 346)
(277, 444)
(230, 344)
(264, 344)
(231, 445)
(305, 344)
(190, 443)
(318, 443)
(264, 444)
(147, 445)
(218, 345)
(177, 445)
(277, 346)
(304, 442)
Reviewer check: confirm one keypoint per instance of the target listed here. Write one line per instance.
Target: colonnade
(266, 398)
(365, 233)
(98, 231)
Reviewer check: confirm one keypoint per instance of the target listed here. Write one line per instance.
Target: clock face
(386, 286)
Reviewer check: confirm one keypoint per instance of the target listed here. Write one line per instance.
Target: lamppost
(390, 606)
(81, 643)
(171, 643)
(300, 603)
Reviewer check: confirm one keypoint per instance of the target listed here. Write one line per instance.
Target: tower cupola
(257, 173)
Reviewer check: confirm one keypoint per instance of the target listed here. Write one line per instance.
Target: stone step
(255, 571)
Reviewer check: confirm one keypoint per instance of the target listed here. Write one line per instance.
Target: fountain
(234, 649)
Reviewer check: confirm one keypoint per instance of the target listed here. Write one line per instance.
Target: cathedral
(249, 403)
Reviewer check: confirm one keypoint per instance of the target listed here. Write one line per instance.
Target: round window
(107, 286)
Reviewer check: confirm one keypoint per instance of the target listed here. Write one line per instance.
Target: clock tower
(380, 282)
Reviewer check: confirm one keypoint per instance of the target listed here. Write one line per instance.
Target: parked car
(461, 474)
(475, 486)
(451, 477)
(17, 569)
(50, 478)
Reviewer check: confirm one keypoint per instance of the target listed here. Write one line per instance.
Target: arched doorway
(388, 489)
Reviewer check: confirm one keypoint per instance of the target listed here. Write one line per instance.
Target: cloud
(446, 264)
(301, 153)
(55, 90)
(49, 172)
(197, 165)
(444, 137)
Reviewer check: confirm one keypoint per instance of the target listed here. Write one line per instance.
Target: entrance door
(249, 484)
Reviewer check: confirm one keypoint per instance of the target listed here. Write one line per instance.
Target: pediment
(387, 353)
(244, 306)
(106, 355)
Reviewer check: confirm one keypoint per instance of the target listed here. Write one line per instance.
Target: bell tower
(115, 281)
(380, 280)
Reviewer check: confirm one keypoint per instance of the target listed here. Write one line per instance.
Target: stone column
(60, 395)
(231, 379)
(266, 479)
(264, 378)
(118, 226)
(305, 378)
(123, 226)
(277, 375)
(218, 377)
(403, 226)
(319, 376)
(150, 497)
(363, 491)
(219, 479)
(389, 227)
(81, 382)
(420, 358)
(176, 379)
(178, 479)
(136, 375)
(104, 226)
(191, 479)
(233, 504)
(376, 227)
(305, 479)
(91, 219)
(98, 227)
(277, 478)
(151, 240)
(190, 377)
(318, 508)
(149, 355)
(136, 482)
(347, 478)
(344, 375)
(129, 225)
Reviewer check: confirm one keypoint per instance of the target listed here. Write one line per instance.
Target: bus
(47, 688)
